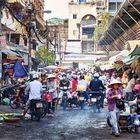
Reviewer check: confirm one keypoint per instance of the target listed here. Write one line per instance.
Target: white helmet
(96, 75)
(35, 76)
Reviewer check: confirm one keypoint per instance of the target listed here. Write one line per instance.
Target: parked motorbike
(7, 92)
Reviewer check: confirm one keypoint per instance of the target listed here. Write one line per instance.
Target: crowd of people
(116, 87)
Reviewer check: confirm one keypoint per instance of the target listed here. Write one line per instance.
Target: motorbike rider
(52, 88)
(34, 88)
(95, 86)
(74, 83)
(64, 82)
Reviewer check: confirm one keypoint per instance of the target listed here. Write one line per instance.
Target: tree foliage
(102, 27)
(45, 56)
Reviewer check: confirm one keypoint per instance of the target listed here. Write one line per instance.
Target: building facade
(83, 18)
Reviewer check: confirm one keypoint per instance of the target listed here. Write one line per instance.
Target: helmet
(51, 76)
(64, 75)
(96, 75)
(81, 76)
(35, 76)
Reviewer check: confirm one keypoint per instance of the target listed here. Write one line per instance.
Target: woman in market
(113, 94)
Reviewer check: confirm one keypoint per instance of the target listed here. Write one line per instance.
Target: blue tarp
(19, 70)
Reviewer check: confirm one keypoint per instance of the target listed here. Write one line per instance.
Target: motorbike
(95, 97)
(74, 101)
(65, 99)
(48, 101)
(81, 99)
(7, 92)
(36, 109)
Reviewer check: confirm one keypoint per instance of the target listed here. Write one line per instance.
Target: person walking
(113, 94)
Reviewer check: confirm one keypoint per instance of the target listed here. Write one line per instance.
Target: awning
(128, 60)
(136, 51)
(126, 17)
(9, 52)
(120, 56)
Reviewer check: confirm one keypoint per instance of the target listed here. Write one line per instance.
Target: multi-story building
(58, 32)
(83, 17)
(16, 37)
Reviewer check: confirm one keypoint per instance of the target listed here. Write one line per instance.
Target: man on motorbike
(95, 86)
(34, 89)
(64, 83)
(83, 86)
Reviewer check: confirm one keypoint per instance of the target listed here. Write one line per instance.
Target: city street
(73, 124)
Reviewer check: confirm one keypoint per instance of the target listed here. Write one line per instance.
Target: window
(82, 1)
(118, 5)
(112, 6)
(74, 16)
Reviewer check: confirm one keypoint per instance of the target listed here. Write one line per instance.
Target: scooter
(95, 97)
(81, 99)
(36, 107)
(65, 99)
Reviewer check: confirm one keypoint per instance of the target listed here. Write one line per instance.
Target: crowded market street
(69, 69)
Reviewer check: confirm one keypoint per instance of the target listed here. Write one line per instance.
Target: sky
(59, 8)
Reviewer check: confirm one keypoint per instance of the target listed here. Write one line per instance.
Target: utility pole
(2, 5)
(30, 11)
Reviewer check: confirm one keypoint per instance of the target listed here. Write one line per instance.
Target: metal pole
(131, 17)
(134, 7)
(114, 42)
(0, 43)
(118, 33)
(30, 8)
(117, 36)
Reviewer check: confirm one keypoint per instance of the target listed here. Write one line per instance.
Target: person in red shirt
(74, 84)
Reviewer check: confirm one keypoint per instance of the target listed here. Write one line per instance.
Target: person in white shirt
(35, 90)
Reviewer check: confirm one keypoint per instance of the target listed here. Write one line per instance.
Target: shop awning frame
(127, 16)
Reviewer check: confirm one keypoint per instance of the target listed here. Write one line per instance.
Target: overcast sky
(59, 8)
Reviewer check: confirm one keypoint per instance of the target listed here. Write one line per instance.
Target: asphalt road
(72, 124)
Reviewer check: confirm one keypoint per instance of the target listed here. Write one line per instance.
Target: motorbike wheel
(36, 115)
(44, 109)
(64, 105)
(13, 103)
(82, 105)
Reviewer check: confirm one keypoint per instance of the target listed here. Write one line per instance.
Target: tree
(102, 27)
(45, 56)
